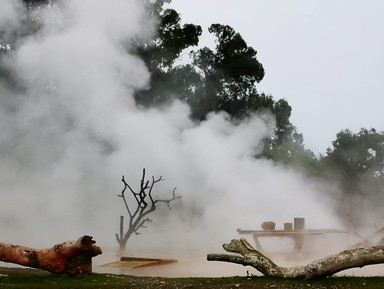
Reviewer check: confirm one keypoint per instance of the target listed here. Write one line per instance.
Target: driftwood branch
(324, 267)
(73, 257)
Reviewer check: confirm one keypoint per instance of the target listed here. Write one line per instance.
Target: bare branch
(122, 195)
(142, 225)
(174, 197)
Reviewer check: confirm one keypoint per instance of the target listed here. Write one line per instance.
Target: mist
(71, 129)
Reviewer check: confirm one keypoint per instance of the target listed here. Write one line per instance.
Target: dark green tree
(356, 164)
(219, 79)
(289, 149)
(228, 76)
(357, 156)
(36, 2)
(168, 81)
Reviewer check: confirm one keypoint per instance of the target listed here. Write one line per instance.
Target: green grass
(30, 279)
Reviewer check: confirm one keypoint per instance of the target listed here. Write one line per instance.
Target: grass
(30, 279)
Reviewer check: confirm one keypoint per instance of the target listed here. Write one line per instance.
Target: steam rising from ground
(72, 130)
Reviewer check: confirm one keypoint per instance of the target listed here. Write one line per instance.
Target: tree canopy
(356, 165)
(222, 78)
(355, 154)
(228, 76)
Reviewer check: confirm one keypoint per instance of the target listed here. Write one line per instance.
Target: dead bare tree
(144, 204)
(358, 257)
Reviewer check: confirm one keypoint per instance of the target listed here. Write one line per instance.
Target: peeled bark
(73, 257)
(324, 267)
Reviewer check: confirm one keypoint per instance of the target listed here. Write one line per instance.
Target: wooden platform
(292, 233)
(136, 262)
(297, 235)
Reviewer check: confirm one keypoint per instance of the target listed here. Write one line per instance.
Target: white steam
(10, 13)
(72, 130)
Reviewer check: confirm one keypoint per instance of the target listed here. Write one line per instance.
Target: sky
(324, 57)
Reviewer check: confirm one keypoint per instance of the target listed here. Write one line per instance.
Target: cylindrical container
(287, 226)
(299, 224)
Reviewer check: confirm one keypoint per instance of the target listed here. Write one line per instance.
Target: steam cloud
(72, 130)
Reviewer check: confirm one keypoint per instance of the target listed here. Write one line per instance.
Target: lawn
(30, 279)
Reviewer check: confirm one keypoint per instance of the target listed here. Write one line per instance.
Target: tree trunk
(73, 257)
(324, 267)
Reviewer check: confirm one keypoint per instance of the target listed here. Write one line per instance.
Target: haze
(72, 130)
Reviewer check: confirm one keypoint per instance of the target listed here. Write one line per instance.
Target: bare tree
(144, 204)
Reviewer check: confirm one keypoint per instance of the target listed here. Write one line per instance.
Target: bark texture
(72, 257)
(358, 257)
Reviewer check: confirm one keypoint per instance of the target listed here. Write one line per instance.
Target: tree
(161, 52)
(356, 164)
(286, 147)
(144, 204)
(216, 80)
(328, 266)
(36, 2)
(356, 154)
(228, 75)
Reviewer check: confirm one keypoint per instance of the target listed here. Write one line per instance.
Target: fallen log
(358, 257)
(72, 257)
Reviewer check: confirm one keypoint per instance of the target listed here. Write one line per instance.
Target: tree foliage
(222, 79)
(36, 2)
(161, 52)
(356, 164)
(228, 75)
(358, 154)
